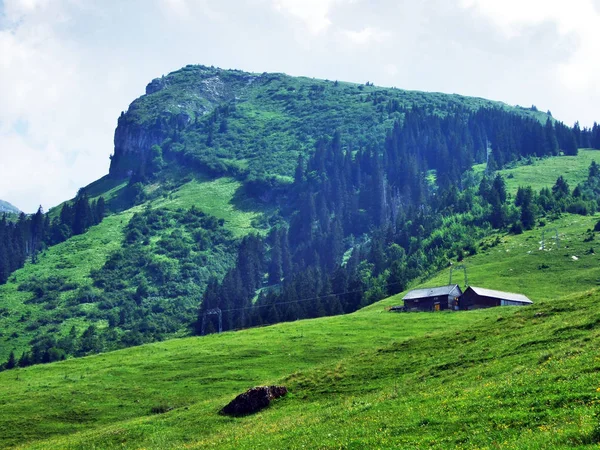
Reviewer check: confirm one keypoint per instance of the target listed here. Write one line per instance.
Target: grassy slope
(216, 197)
(544, 172)
(518, 264)
(510, 377)
(74, 258)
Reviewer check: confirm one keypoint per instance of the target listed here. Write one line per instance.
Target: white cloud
(33, 177)
(179, 8)
(367, 35)
(579, 19)
(53, 139)
(391, 70)
(188, 10)
(16, 9)
(313, 13)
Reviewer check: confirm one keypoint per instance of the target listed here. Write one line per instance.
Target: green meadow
(497, 378)
(544, 172)
(219, 197)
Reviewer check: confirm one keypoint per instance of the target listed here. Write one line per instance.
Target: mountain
(272, 198)
(6, 207)
(254, 126)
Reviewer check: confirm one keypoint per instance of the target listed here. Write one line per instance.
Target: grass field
(218, 198)
(544, 172)
(496, 378)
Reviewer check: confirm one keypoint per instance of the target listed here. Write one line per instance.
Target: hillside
(246, 192)
(6, 207)
(72, 262)
(509, 377)
(542, 173)
(254, 126)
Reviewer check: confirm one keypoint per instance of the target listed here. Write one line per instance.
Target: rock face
(253, 400)
(171, 104)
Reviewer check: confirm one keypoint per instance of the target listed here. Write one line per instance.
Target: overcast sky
(69, 67)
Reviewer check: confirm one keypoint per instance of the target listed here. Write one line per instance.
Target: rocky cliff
(170, 104)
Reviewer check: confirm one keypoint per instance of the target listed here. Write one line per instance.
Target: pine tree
(276, 264)
(595, 136)
(82, 217)
(560, 189)
(100, 209)
(499, 187)
(524, 199)
(11, 363)
(25, 359)
(66, 216)
(36, 233)
(550, 143)
(594, 170)
(578, 135)
(4, 259)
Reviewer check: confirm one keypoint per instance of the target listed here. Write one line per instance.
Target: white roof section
(501, 295)
(432, 292)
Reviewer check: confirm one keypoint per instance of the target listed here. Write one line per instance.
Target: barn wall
(427, 303)
(512, 303)
(470, 300)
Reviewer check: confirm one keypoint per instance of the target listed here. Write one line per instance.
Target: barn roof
(432, 292)
(501, 295)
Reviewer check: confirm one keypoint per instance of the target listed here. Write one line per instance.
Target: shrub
(578, 207)
(516, 228)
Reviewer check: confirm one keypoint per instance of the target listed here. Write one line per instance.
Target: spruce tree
(560, 189)
(11, 363)
(36, 233)
(100, 209)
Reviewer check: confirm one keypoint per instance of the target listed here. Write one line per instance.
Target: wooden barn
(476, 297)
(432, 299)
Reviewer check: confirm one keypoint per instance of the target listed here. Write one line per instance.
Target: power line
(308, 299)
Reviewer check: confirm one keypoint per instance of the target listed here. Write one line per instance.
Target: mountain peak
(6, 207)
(246, 125)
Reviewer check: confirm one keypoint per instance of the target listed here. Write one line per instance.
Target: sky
(69, 67)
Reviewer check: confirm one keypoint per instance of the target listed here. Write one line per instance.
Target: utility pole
(460, 266)
(556, 238)
(210, 312)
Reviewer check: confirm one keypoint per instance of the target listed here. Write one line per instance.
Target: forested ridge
(361, 190)
(319, 265)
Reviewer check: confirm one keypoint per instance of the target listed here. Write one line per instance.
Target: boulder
(253, 400)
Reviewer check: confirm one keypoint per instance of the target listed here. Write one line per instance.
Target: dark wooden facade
(476, 298)
(432, 299)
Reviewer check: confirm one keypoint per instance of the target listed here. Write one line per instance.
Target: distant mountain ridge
(254, 126)
(6, 207)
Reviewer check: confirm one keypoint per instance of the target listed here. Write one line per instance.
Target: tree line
(587, 137)
(25, 237)
(358, 225)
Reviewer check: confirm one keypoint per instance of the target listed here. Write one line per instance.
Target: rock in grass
(253, 400)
